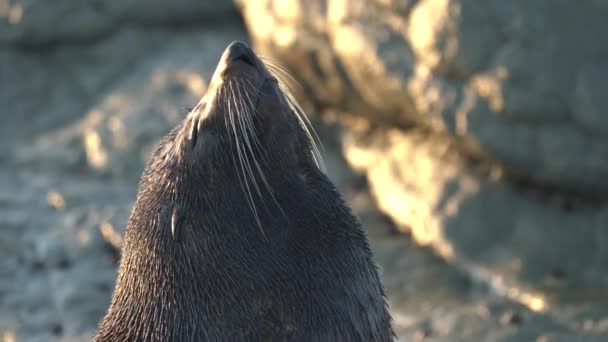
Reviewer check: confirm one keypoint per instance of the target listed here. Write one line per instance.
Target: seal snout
(238, 51)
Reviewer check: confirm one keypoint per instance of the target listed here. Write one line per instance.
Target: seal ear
(173, 219)
(176, 223)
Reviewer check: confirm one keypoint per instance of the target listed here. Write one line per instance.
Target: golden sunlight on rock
(374, 51)
(195, 84)
(303, 12)
(94, 149)
(536, 303)
(469, 101)
(84, 237)
(55, 200)
(359, 158)
(9, 336)
(117, 129)
(285, 36)
(490, 87)
(339, 10)
(110, 234)
(408, 209)
(288, 10)
(427, 197)
(429, 95)
(13, 13)
(349, 41)
(427, 21)
(503, 285)
(265, 22)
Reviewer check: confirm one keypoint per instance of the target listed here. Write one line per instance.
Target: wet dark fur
(197, 266)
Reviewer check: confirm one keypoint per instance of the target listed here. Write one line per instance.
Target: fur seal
(236, 233)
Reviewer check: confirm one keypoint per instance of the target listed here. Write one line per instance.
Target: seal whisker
(247, 143)
(274, 68)
(306, 125)
(258, 93)
(247, 114)
(246, 188)
(234, 116)
(251, 110)
(222, 95)
(243, 114)
(274, 65)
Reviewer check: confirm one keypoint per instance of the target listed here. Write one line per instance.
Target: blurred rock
(122, 120)
(590, 101)
(517, 79)
(538, 248)
(55, 280)
(32, 23)
(50, 90)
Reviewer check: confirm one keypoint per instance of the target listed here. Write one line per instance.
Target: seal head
(237, 234)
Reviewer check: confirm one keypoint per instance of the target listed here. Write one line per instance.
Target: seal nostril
(238, 51)
(243, 56)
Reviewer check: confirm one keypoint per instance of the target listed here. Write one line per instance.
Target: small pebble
(56, 329)
(63, 263)
(55, 200)
(421, 334)
(510, 318)
(36, 266)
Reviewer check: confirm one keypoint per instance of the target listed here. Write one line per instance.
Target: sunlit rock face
(521, 80)
(535, 248)
(479, 124)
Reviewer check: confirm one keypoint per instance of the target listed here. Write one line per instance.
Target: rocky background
(470, 138)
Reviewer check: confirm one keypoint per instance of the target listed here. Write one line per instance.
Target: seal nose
(238, 51)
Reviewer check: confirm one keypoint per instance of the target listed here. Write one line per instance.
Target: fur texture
(236, 234)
